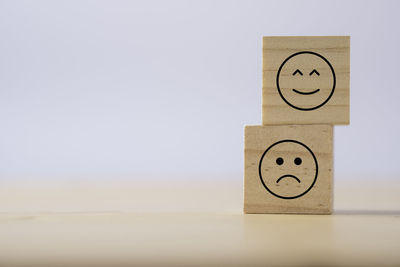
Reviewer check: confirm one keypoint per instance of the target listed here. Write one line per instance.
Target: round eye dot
(279, 161)
(297, 161)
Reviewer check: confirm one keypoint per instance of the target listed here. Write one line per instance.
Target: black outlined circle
(315, 54)
(299, 143)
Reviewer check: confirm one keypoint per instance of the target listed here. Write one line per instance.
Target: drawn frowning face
(288, 169)
(306, 80)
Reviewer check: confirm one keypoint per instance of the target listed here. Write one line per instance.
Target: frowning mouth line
(288, 176)
(306, 93)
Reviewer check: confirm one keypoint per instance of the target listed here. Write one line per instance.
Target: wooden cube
(288, 169)
(306, 80)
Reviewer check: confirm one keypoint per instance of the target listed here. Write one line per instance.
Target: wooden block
(306, 80)
(288, 169)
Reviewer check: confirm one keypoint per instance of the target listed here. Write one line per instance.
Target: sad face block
(288, 169)
(306, 80)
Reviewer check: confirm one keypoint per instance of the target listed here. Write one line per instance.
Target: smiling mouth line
(306, 93)
(288, 176)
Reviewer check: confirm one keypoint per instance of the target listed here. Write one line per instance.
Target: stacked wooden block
(289, 159)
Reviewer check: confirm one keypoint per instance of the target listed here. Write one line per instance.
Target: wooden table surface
(197, 221)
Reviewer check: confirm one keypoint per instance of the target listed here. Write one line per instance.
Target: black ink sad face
(306, 80)
(288, 169)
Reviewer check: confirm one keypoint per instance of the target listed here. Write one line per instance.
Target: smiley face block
(288, 169)
(306, 80)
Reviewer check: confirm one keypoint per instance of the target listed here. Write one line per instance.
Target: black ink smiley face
(288, 169)
(306, 80)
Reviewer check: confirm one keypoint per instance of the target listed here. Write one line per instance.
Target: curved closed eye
(314, 71)
(298, 71)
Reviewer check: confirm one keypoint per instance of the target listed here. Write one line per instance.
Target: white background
(161, 88)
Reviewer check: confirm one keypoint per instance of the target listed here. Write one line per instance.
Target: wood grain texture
(288, 169)
(306, 80)
(187, 221)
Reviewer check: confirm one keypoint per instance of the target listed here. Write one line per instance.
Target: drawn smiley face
(306, 80)
(288, 169)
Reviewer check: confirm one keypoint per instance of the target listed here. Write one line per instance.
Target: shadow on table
(368, 212)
